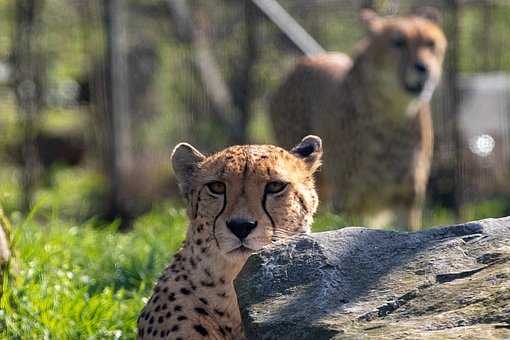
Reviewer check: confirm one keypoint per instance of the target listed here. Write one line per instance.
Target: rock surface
(357, 283)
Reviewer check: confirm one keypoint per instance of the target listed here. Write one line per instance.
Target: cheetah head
(408, 49)
(244, 197)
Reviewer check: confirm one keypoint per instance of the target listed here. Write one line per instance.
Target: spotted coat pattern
(195, 298)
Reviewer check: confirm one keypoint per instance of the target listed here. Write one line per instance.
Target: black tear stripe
(268, 215)
(302, 202)
(197, 202)
(216, 218)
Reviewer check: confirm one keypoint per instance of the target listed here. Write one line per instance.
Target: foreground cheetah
(373, 114)
(238, 200)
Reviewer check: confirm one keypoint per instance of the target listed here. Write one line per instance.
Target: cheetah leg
(414, 218)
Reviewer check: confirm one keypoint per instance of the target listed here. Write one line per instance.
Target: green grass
(326, 221)
(73, 282)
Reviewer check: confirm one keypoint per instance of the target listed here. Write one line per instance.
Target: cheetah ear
(430, 13)
(185, 160)
(310, 151)
(371, 20)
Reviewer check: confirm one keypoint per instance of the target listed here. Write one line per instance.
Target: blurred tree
(120, 157)
(453, 141)
(192, 29)
(229, 95)
(486, 34)
(367, 4)
(244, 79)
(28, 85)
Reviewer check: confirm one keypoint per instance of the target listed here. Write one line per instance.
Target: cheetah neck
(384, 92)
(207, 257)
(195, 296)
(211, 275)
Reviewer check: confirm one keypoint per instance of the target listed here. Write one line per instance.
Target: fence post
(120, 156)
(28, 87)
(452, 83)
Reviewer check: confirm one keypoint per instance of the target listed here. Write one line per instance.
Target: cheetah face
(409, 50)
(244, 197)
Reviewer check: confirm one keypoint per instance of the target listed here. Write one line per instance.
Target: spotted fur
(195, 297)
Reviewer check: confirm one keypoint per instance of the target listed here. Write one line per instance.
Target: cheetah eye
(216, 187)
(399, 42)
(275, 187)
(430, 44)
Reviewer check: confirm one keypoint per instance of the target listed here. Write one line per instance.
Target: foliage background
(75, 274)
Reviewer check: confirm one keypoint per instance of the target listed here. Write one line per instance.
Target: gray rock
(358, 283)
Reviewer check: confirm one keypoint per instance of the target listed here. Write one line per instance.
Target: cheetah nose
(241, 227)
(421, 68)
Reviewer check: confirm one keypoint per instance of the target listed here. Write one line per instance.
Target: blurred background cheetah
(373, 113)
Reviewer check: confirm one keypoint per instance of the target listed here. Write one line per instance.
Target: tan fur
(195, 297)
(374, 122)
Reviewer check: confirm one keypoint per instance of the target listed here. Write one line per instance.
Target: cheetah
(374, 116)
(238, 200)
